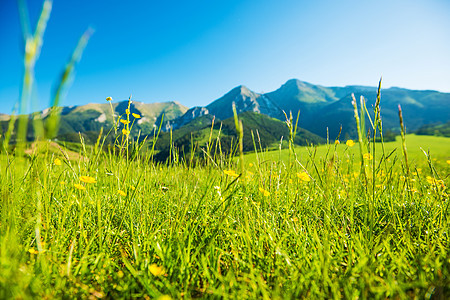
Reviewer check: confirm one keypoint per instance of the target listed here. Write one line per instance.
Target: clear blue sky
(195, 51)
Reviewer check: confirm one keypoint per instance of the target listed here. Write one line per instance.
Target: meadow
(300, 222)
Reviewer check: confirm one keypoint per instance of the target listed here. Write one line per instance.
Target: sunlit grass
(120, 228)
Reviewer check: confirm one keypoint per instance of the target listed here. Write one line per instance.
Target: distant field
(439, 149)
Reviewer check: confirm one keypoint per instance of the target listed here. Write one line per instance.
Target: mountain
(244, 99)
(327, 109)
(269, 130)
(323, 110)
(297, 95)
(92, 117)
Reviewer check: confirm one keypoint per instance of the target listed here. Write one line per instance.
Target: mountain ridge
(323, 110)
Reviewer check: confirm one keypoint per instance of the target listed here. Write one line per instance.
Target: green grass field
(439, 148)
(99, 225)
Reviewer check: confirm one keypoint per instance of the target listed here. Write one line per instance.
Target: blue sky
(195, 51)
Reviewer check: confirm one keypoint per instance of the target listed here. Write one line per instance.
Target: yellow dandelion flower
(264, 192)
(448, 161)
(164, 297)
(33, 251)
(125, 132)
(336, 142)
(251, 165)
(57, 162)
(79, 186)
(88, 179)
(368, 156)
(62, 182)
(156, 270)
(108, 99)
(132, 187)
(350, 143)
(231, 173)
(124, 121)
(122, 193)
(304, 176)
(136, 116)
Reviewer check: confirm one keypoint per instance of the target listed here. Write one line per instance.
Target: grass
(438, 146)
(154, 230)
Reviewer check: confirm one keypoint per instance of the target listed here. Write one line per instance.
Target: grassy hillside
(439, 148)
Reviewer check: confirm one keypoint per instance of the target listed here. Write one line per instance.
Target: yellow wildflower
(88, 179)
(62, 182)
(79, 186)
(164, 297)
(124, 121)
(303, 176)
(350, 143)
(120, 274)
(125, 132)
(136, 116)
(264, 192)
(231, 173)
(156, 270)
(57, 162)
(122, 193)
(33, 251)
(368, 156)
(448, 161)
(336, 142)
(251, 165)
(108, 99)
(127, 111)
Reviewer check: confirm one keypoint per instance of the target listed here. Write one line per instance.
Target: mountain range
(323, 110)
